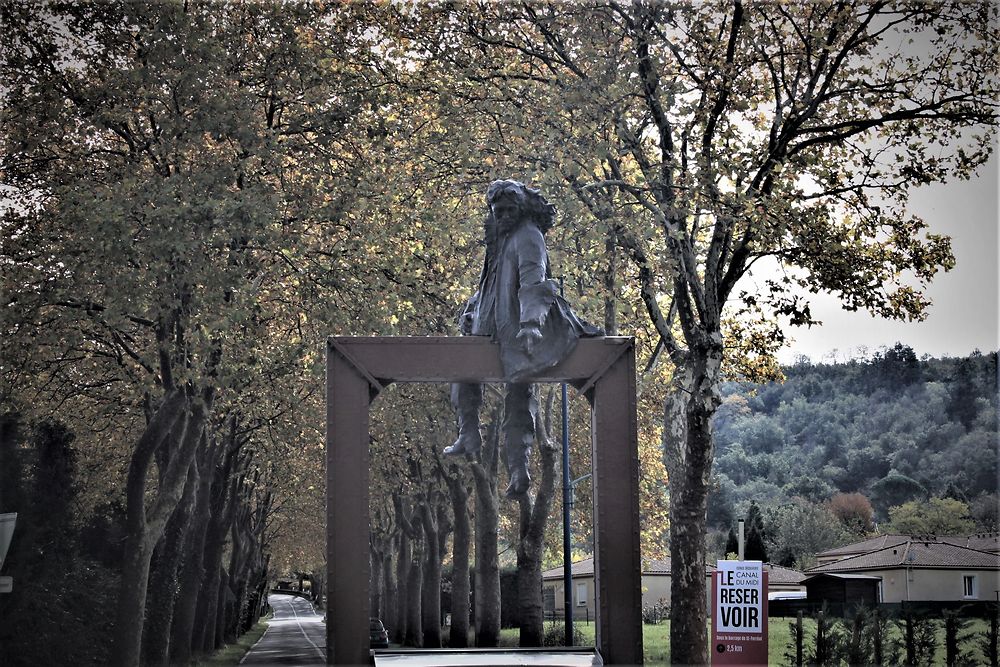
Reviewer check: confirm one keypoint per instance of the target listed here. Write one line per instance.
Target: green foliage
(956, 635)
(59, 590)
(917, 642)
(658, 612)
(989, 643)
(795, 652)
(891, 438)
(232, 654)
(756, 545)
(555, 635)
(827, 636)
(936, 516)
(796, 532)
(985, 511)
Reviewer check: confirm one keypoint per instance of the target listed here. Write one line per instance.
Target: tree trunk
(611, 283)
(132, 598)
(487, 573)
(403, 556)
(487, 524)
(237, 574)
(529, 588)
(389, 575)
(193, 573)
(534, 516)
(319, 587)
(414, 585)
(222, 607)
(430, 592)
(171, 425)
(376, 588)
(225, 483)
(167, 560)
(459, 637)
(688, 457)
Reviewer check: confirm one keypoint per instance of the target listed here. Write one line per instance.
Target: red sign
(739, 613)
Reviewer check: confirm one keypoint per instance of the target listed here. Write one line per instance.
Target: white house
(924, 569)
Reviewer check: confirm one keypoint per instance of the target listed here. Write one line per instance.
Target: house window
(969, 588)
(581, 595)
(549, 599)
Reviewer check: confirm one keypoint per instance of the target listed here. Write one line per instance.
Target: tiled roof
(979, 541)
(580, 568)
(656, 566)
(872, 544)
(777, 574)
(914, 553)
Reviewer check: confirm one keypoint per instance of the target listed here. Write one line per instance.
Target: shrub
(656, 613)
(555, 635)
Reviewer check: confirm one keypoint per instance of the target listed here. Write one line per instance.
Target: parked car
(377, 635)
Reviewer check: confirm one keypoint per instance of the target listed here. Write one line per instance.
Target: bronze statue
(519, 306)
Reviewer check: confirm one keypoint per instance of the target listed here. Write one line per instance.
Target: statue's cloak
(515, 291)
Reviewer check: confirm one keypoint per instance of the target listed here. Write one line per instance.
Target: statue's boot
(466, 399)
(520, 408)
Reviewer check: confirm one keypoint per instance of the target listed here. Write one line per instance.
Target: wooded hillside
(891, 427)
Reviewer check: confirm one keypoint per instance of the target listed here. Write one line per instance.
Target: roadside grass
(656, 640)
(231, 654)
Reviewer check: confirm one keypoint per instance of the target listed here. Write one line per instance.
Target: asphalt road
(296, 635)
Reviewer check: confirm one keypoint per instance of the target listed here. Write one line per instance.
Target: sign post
(739, 613)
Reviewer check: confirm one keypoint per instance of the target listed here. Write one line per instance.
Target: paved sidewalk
(296, 635)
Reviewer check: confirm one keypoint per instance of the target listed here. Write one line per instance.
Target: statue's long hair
(541, 212)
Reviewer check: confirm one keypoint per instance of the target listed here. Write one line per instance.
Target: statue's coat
(514, 292)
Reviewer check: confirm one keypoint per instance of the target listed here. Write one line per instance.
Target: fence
(973, 609)
(582, 614)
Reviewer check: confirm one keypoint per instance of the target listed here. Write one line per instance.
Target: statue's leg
(520, 408)
(466, 399)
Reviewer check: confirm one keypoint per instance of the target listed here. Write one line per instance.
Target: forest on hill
(885, 431)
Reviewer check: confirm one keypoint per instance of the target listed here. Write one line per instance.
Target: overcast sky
(964, 314)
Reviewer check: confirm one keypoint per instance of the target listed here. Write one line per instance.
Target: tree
(895, 489)
(800, 530)
(457, 479)
(985, 511)
(936, 516)
(756, 539)
(152, 234)
(732, 543)
(534, 514)
(711, 136)
(854, 511)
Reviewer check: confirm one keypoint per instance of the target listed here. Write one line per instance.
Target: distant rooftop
(913, 552)
(979, 541)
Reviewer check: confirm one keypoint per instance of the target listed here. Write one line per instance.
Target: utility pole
(567, 506)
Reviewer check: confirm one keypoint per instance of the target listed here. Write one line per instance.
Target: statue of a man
(519, 306)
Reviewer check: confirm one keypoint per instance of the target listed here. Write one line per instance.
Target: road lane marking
(303, 631)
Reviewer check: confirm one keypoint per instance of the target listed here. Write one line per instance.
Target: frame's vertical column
(616, 506)
(347, 394)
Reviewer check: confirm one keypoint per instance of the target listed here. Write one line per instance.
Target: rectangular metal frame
(358, 368)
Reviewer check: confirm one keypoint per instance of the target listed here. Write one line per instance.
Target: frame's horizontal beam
(462, 359)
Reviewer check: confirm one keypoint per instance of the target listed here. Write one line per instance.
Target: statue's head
(512, 203)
